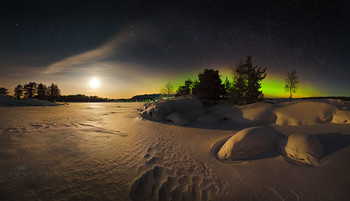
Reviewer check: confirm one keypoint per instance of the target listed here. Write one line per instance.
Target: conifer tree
(18, 92)
(209, 86)
(247, 83)
(185, 90)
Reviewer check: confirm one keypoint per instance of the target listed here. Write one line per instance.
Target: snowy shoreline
(8, 101)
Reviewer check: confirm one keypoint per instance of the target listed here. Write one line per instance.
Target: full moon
(94, 83)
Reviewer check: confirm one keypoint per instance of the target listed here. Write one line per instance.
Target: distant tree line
(146, 98)
(83, 98)
(244, 89)
(34, 90)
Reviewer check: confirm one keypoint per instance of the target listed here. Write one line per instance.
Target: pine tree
(18, 92)
(41, 90)
(53, 92)
(247, 83)
(185, 90)
(209, 86)
(30, 89)
(3, 91)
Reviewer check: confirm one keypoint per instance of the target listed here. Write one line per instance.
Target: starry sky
(136, 47)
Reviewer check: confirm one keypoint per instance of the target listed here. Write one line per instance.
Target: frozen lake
(103, 151)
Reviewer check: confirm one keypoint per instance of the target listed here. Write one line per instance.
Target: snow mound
(249, 142)
(228, 112)
(259, 113)
(341, 116)
(305, 113)
(9, 101)
(180, 118)
(207, 119)
(159, 111)
(305, 149)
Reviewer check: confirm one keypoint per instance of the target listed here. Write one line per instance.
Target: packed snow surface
(104, 151)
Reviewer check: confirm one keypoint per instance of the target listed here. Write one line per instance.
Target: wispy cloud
(106, 50)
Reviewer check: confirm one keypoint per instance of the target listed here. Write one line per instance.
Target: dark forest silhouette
(244, 89)
(39, 91)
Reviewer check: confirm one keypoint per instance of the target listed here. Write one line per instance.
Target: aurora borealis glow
(135, 47)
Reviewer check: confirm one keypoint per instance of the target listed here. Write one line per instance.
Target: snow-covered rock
(341, 116)
(228, 112)
(10, 101)
(159, 111)
(305, 149)
(207, 119)
(249, 142)
(179, 118)
(305, 113)
(259, 113)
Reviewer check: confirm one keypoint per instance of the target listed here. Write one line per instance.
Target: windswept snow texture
(9, 101)
(104, 151)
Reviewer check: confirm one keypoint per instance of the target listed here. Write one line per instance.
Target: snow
(305, 149)
(104, 151)
(9, 101)
(185, 111)
(180, 118)
(161, 109)
(250, 142)
(341, 116)
(305, 113)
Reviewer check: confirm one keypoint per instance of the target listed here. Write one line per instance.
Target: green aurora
(272, 86)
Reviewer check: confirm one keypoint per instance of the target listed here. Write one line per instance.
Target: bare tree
(291, 83)
(167, 89)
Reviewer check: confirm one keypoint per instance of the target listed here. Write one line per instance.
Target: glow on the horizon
(274, 88)
(94, 83)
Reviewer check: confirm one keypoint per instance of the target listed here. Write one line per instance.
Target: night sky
(136, 47)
